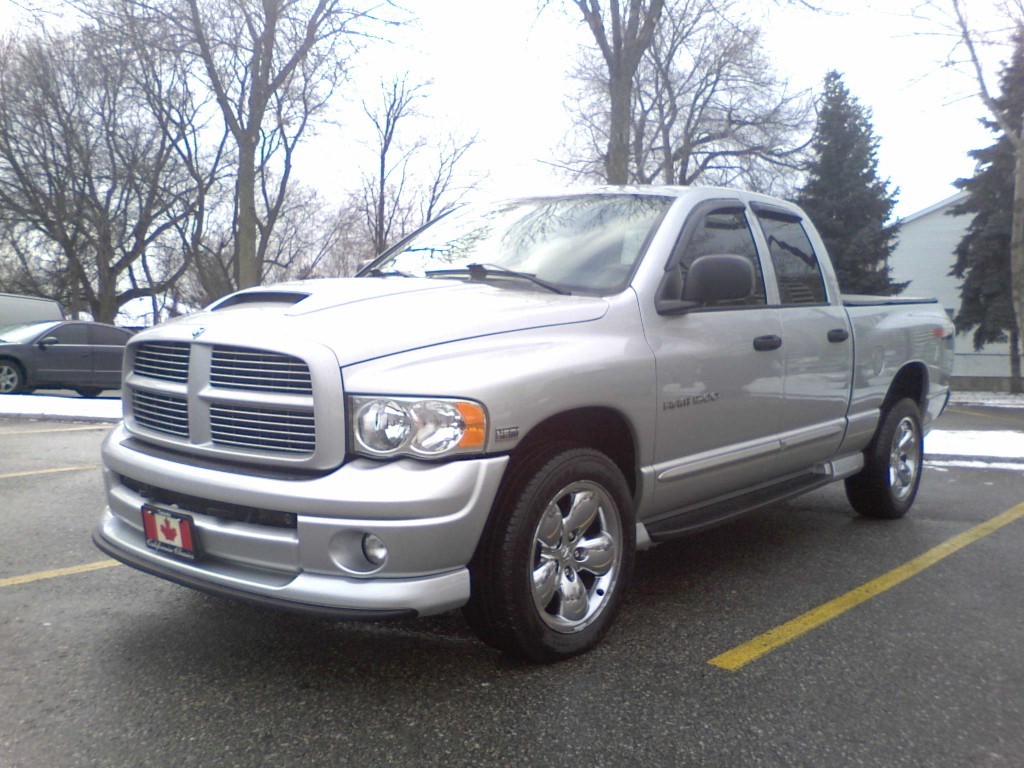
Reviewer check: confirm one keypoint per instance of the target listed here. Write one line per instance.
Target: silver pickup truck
(502, 409)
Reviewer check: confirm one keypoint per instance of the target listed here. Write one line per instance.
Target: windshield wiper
(480, 272)
(378, 272)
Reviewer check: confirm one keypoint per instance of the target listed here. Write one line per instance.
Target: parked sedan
(85, 357)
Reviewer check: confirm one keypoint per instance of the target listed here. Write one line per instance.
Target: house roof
(939, 206)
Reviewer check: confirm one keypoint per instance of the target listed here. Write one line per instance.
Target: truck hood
(365, 318)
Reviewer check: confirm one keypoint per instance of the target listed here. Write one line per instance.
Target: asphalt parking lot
(849, 643)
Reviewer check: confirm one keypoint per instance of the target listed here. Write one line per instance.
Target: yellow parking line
(41, 575)
(60, 429)
(47, 471)
(779, 636)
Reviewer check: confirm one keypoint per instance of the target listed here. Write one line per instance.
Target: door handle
(837, 335)
(767, 343)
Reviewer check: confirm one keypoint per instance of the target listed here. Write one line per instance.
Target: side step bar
(693, 519)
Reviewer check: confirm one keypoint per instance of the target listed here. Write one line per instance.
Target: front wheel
(893, 461)
(553, 565)
(11, 377)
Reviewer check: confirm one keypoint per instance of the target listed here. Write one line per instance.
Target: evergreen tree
(847, 201)
(983, 255)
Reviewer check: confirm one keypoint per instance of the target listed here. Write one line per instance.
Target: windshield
(583, 244)
(19, 334)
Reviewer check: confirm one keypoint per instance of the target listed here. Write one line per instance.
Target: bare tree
(414, 179)
(184, 108)
(349, 248)
(87, 166)
(623, 31)
(706, 106)
(385, 189)
(716, 111)
(305, 238)
(272, 66)
(970, 39)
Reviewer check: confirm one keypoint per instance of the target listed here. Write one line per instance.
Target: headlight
(431, 428)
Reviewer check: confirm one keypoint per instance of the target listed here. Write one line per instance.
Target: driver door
(66, 361)
(719, 375)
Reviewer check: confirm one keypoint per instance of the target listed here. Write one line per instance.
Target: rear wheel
(89, 391)
(888, 484)
(12, 378)
(552, 568)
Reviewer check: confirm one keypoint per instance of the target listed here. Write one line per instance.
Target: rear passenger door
(107, 354)
(817, 345)
(718, 389)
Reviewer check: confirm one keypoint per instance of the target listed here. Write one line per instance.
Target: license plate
(170, 532)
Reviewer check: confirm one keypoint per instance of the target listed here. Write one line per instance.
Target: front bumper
(430, 516)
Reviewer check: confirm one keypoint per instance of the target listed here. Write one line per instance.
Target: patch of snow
(67, 407)
(942, 465)
(993, 444)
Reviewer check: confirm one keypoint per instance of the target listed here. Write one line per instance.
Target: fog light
(374, 550)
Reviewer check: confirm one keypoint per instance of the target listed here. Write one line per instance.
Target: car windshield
(19, 334)
(579, 244)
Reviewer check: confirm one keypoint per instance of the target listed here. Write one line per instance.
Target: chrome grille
(258, 371)
(263, 429)
(161, 413)
(165, 360)
(228, 401)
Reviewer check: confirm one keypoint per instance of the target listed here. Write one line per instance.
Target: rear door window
(793, 258)
(101, 334)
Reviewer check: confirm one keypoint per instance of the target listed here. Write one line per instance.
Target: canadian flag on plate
(168, 532)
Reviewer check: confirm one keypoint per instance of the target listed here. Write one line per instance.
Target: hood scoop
(260, 300)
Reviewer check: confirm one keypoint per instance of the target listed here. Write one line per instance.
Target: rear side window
(100, 334)
(796, 265)
(725, 231)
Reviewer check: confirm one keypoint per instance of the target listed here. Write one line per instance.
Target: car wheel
(12, 378)
(89, 391)
(551, 570)
(893, 461)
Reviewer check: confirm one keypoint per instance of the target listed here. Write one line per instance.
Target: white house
(924, 256)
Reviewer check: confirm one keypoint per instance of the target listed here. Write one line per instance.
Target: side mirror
(49, 341)
(719, 277)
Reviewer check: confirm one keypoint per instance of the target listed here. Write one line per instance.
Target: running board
(694, 519)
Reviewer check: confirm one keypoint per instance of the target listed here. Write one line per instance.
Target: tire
(893, 461)
(556, 558)
(12, 377)
(89, 391)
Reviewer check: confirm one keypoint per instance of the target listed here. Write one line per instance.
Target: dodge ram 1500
(502, 409)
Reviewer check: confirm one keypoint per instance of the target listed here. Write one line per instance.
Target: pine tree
(983, 255)
(847, 201)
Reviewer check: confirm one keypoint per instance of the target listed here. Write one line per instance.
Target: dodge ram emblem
(198, 332)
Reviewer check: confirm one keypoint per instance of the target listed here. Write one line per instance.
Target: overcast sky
(499, 69)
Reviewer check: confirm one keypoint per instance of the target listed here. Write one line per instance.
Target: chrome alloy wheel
(577, 556)
(904, 458)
